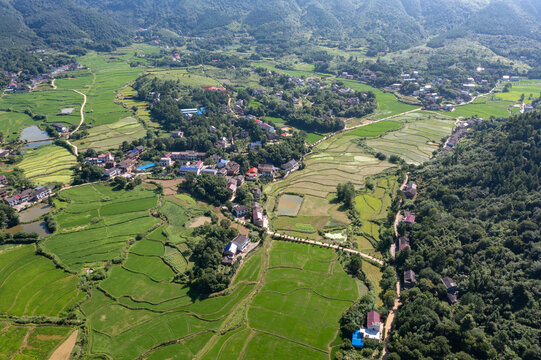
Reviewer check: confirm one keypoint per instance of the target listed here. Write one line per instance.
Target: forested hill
(380, 25)
(57, 24)
(478, 222)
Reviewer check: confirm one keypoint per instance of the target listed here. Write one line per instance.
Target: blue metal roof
(357, 339)
(147, 166)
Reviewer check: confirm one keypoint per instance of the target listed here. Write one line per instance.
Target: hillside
(478, 223)
(378, 25)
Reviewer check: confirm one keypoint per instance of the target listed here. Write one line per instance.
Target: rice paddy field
(104, 76)
(274, 305)
(373, 206)
(97, 223)
(111, 136)
(49, 103)
(48, 164)
(417, 139)
(32, 285)
(13, 123)
(29, 341)
(338, 160)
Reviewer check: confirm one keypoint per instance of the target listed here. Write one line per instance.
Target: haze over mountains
(383, 25)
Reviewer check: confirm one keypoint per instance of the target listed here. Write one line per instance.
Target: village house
(403, 242)
(177, 134)
(258, 218)
(410, 190)
(255, 146)
(223, 143)
(3, 193)
(209, 171)
(188, 155)
(290, 166)
(267, 170)
(3, 180)
(231, 186)
(409, 279)
(240, 210)
(242, 242)
(452, 289)
(112, 173)
(373, 330)
(191, 168)
(126, 166)
(166, 161)
(232, 168)
(60, 128)
(257, 193)
(251, 175)
(41, 192)
(409, 218)
(103, 158)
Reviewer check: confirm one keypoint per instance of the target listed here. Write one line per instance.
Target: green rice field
(98, 222)
(417, 139)
(13, 123)
(111, 136)
(48, 164)
(32, 285)
(29, 341)
(335, 161)
(373, 206)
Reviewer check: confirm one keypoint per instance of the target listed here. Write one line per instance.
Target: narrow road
(396, 305)
(327, 245)
(76, 150)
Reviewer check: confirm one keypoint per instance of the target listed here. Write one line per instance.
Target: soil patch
(289, 205)
(198, 221)
(63, 352)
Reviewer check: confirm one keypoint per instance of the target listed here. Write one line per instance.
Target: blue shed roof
(357, 339)
(147, 166)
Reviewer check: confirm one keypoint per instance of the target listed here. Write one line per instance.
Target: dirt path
(319, 243)
(53, 85)
(63, 352)
(75, 149)
(396, 305)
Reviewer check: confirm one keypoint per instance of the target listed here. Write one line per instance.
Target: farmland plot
(48, 164)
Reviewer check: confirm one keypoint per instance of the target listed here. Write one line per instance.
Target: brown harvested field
(63, 352)
(198, 221)
(169, 186)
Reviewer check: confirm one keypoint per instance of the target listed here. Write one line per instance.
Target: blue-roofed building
(357, 339)
(145, 167)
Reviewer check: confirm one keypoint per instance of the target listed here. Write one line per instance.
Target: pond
(38, 227)
(34, 133)
(34, 213)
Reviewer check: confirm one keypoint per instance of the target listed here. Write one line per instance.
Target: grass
(97, 224)
(376, 129)
(373, 206)
(417, 139)
(13, 123)
(29, 341)
(48, 103)
(192, 77)
(32, 285)
(104, 77)
(338, 160)
(111, 136)
(48, 164)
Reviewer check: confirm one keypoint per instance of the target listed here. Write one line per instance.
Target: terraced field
(111, 136)
(296, 311)
(32, 285)
(98, 222)
(373, 207)
(13, 123)
(336, 161)
(417, 139)
(47, 164)
(29, 341)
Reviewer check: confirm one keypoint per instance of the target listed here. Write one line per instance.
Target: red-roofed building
(373, 320)
(251, 175)
(403, 242)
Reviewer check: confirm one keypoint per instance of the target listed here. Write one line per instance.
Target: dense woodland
(478, 216)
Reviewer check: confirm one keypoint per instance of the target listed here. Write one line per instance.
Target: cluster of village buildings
(26, 197)
(16, 86)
